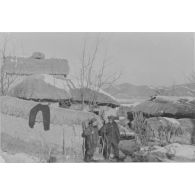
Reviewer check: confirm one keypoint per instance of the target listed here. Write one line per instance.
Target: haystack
(167, 130)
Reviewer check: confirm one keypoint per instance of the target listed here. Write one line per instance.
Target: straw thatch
(168, 130)
(175, 107)
(39, 87)
(90, 95)
(47, 87)
(29, 66)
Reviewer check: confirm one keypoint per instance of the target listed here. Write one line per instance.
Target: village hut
(16, 69)
(173, 107)
(38, 78)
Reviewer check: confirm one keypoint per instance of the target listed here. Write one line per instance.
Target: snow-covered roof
(45, 86)
(168, 106)
(40, 87)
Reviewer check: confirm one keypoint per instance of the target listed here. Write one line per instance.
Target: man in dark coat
(91, 137)
(111, 136)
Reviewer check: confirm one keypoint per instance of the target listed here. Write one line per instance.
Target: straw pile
(166, 130)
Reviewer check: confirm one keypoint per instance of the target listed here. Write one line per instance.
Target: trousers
(45, 113)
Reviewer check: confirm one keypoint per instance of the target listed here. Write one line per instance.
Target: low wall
(17, 136)
(21, 108)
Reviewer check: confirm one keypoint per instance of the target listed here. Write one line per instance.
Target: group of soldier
(106, 139)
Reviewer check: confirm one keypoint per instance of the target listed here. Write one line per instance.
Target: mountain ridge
(128, 90)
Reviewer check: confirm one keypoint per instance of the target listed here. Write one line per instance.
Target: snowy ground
(17, 158)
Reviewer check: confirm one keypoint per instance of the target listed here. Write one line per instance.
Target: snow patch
(172, 120)
(59, 83)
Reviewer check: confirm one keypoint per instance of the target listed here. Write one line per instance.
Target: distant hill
(127, 90)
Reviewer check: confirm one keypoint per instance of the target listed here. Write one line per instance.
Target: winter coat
(111, 131)
(45, 113)
(91, 135)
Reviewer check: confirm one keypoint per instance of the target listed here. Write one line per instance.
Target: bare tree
(192, 78)
(192, 81)
(5, 80)
(92, 74)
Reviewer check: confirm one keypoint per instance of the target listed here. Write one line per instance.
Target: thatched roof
(29, 66)
(40, 87)
(176, 107)
(90, 95)
(48, 87)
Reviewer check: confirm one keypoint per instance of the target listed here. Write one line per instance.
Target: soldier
(111, 136)
(90, 135)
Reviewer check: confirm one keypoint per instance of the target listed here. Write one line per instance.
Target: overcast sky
(143, 58)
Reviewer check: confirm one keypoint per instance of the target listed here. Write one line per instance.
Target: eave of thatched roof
(90, 95)
(47, 87)
(29, 66)
(176, 107)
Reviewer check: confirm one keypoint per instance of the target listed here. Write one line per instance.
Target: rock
(128, 159)
(121, 155)
(171, 153)
(128, 147)
(182, 152)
